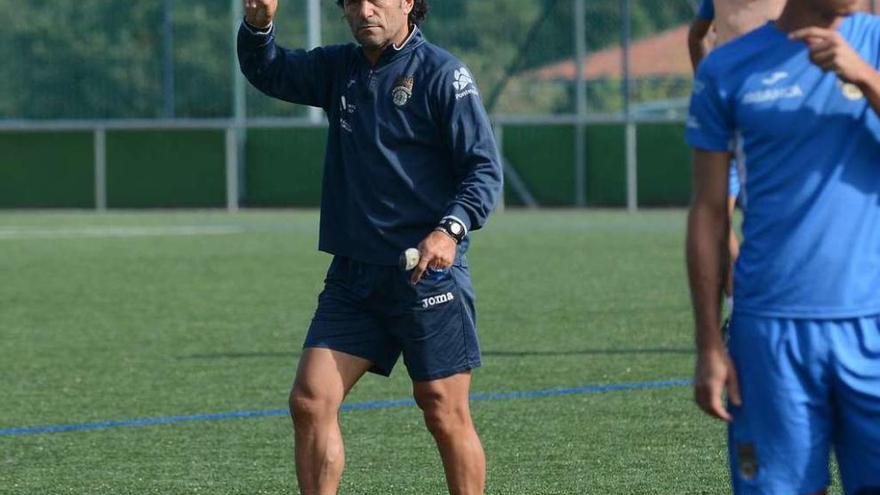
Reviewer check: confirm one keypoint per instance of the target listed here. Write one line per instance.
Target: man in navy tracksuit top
(411, 161)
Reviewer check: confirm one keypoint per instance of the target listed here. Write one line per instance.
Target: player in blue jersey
(797, 102)
(411, 160)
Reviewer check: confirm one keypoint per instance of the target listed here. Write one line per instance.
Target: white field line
(7, 233)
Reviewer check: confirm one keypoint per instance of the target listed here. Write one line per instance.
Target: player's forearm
(696, 49)
(256, 52)
(870, 86)
(697, 52)
(296, 76)
(830, 51)
(477, 163)
(706, 258)
(478, 194)
(697, 46)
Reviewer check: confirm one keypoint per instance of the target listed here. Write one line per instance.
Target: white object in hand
(409, 259)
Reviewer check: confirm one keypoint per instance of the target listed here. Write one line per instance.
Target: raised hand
(259, 13)
(830, 52)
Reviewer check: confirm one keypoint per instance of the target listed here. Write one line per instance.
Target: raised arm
(698, 47)
(698, 42)
(297, 76)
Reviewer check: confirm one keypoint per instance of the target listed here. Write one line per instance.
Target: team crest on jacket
(402, 91)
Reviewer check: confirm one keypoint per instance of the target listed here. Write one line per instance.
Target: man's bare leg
(323, 380)
(445, 405)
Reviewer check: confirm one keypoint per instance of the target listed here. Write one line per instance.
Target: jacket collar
(415, 39)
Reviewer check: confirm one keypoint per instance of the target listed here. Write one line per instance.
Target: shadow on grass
(585, 352)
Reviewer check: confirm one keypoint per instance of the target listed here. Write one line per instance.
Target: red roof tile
(659, 55)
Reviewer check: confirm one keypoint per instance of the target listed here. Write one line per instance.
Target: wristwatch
(453, 228)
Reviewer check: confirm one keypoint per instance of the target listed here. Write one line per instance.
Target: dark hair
(416, 17)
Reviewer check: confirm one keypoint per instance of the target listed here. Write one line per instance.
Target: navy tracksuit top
(409, 140)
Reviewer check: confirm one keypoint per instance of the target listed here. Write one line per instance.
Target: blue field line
(35, 430)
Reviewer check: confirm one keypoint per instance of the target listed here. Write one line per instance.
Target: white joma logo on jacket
(435, 300)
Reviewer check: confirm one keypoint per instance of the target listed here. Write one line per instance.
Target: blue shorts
(372, 312)
(807, 386)
(733, 185)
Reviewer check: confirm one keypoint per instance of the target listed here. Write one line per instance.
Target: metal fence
(151, 59)
(112, 64)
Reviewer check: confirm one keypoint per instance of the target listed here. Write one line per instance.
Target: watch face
(455, 228)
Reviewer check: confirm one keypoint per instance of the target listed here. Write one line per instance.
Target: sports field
(193, 323)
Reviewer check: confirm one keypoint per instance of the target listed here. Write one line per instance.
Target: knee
(310, 406)
(443, 417)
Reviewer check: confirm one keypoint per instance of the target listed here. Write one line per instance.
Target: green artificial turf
(136, 315)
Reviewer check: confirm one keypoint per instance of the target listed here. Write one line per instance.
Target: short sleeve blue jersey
(707, 10)
(808, 148)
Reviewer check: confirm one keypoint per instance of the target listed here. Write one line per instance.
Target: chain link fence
(588, 97)
(170, 59)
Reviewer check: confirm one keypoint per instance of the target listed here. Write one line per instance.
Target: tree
(93, 59)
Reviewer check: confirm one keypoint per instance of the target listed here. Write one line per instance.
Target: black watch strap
(454, 228)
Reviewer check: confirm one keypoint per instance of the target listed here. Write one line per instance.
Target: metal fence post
(239, 116)
(100, 150)
(168, 58)
(232, 169)
(580, 145)
(631, 145)
(632, 169)
(236, 135)
(313, 15)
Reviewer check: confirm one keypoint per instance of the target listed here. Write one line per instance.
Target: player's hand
(714, 372)
(259, 13)
(830, 52)
(437, 252)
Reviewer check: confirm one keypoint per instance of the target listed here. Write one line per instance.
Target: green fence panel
(664, 177)
(47, 170)
(186, 168)
(606, 165)
(284, 167)
(543, 155)
(166, 169)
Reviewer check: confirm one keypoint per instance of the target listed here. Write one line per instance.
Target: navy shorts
(373, 312)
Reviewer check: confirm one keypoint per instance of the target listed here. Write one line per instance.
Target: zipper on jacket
(371, 83)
